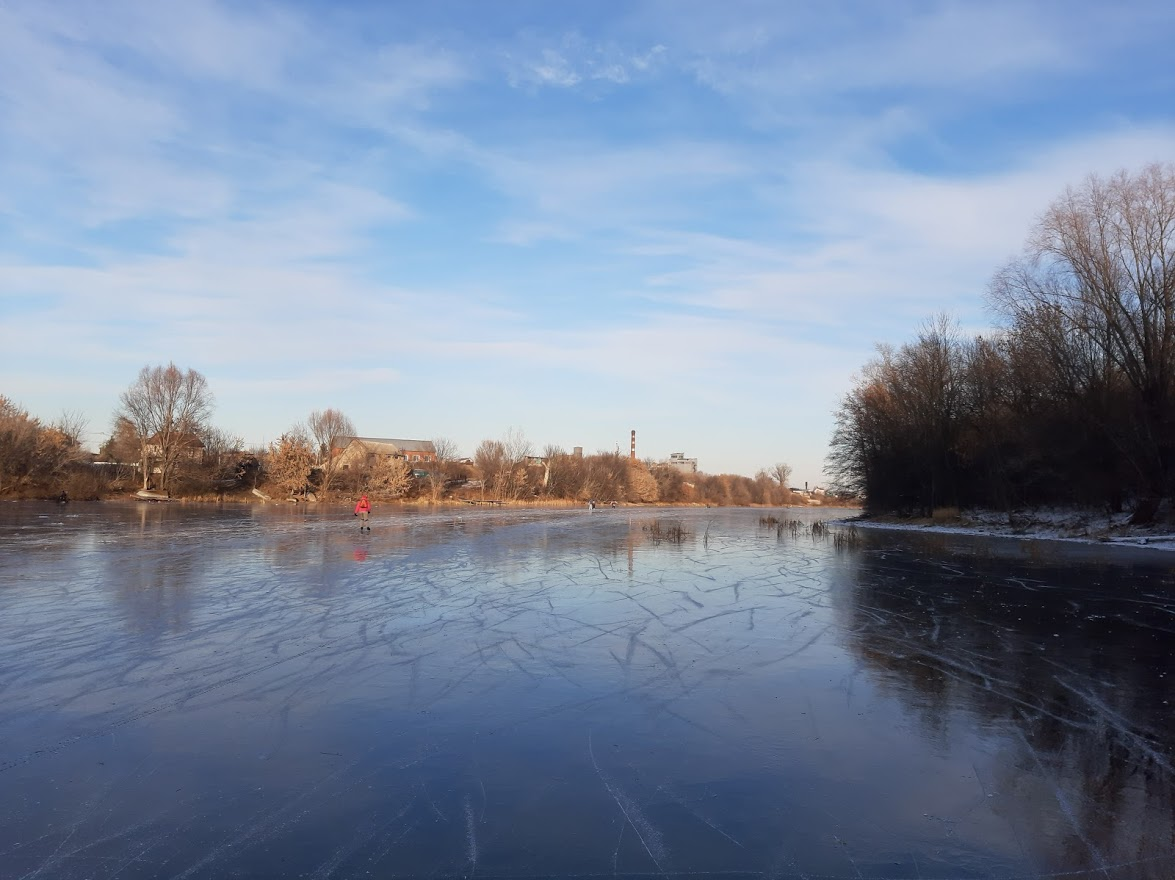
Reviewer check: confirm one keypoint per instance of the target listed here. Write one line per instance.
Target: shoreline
(237, 499)
(1073, 525)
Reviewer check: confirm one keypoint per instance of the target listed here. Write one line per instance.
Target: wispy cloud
(571, 60)
(670, 211)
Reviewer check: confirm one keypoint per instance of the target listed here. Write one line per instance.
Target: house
(360, 452)
(184, 446)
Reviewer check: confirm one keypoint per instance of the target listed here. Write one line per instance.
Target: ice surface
(203, 692)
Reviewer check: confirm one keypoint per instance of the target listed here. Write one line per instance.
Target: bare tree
(327, 427)
(898, 431)
(169, 409)
(503, 464)
(19, 435)
(671, 483)
(60, 445)
(121, 449)
(491, 460)
(766, 488)
(737, 490)
(517, 446)
(564, 473)
(781, 473)
(518, 449)
(931, 373)
(388, 477)
(288, 462)
(72, 425)
(221, 445)
(1100, 267)
(33, 453)
(642, 486)
(223, 456)
(605, 477)
(441, 470)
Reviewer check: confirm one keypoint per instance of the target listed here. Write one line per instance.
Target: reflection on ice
(1072, 668)
(259, 692)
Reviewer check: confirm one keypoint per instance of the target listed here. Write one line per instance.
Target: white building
(678, 461)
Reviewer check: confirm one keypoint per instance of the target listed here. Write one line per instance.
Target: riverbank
(1051, 523)
(248, 497)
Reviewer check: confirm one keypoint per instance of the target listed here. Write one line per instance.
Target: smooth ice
(267, 692)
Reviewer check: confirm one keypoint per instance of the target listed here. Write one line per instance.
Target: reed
(670, 532)
(846, 539)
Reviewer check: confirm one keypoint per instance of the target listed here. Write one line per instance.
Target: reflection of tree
(1074, 674)
(154, 586)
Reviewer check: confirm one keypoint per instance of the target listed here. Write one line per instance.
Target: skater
(363, 511)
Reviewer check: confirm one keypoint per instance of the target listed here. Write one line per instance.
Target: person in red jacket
(363, 511)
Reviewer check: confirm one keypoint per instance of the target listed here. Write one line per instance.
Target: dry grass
(846, 539)
(842, 538)
(672, 532)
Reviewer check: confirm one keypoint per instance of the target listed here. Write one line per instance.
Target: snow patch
(1046, 523)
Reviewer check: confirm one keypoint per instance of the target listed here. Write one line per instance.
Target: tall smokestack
(632, 449)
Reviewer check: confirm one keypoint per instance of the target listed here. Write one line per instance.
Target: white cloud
(577, 61)
(246, 189)
(915, 242)
(60, 97)
(579, 188)
(553, 70)
(650, 60)
(325, 219)
(202, 39)
(375, 89)
(815, 59)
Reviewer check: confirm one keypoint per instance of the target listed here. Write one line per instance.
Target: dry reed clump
(770, 521)
(670, 532)
(793, 527)
(842, 538)
(846, 539)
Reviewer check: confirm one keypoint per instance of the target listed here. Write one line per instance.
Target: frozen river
(266, 692)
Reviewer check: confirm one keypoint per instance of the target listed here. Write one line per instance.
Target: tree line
(1070, 400)
(35, 453)
(164, 440)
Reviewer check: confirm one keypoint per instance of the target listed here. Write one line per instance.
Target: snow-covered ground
(1053, 523)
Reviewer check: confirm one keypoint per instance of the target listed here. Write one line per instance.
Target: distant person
(363, 511)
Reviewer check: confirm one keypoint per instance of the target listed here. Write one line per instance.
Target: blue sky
(572, 219)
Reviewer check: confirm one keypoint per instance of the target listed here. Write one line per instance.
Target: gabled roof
(178, 438)
(391, 444)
